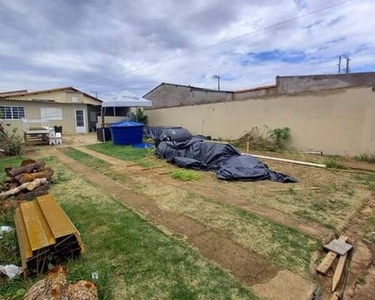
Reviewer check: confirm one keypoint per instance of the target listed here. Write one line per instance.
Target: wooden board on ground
(338, 272)
(329, 259)
(335, 296)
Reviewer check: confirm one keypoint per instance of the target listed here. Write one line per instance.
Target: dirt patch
(285, 286)
(249, 267)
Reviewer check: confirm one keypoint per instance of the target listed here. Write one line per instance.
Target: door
(80, 121)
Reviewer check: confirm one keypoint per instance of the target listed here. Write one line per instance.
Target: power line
(222, 42)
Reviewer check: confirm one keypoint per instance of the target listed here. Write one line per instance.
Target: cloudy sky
(110, 46)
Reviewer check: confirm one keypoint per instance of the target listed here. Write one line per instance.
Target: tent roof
(127, 99)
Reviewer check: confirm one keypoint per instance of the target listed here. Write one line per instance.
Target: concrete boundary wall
(340, 121)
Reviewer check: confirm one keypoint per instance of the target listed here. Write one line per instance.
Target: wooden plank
(338, 272)
(329, 259)
(335, 296)
(296, 189)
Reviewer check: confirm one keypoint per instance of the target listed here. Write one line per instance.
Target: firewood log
(39, 191)
(83, 290)
(56, 286)
(34, 184)
(27, 177)
(27, 162)
(26, 186)
(27, 169)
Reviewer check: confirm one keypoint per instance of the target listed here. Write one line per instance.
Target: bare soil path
(307, 227)
(251, 268)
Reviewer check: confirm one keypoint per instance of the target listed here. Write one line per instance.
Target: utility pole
(218, 81)
(96, 94)
(339, 64)
(347, 69)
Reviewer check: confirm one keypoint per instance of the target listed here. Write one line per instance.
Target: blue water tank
(127, 133)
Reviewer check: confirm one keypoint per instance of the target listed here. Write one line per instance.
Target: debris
(95, 275)
(329, 259)
(10, 270)
(313, 152)
(338, 272)
(296, 189)
(5, 229)
(338, 247)
(56, 286)
(45, 235)
(297, 162)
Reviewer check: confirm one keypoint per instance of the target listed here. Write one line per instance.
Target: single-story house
(74, 110)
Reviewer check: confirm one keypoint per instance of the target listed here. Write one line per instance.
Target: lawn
(134, 259)
(142, 157)
(285, 247)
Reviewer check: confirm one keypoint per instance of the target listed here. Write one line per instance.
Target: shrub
(266, 139)
(10, 143)
(370, 158)
(280, 136)
(139, 116)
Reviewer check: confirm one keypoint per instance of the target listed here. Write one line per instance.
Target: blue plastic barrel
(127, 133)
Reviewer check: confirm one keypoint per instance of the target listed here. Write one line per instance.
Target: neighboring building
(171, 95)
(75, 111)
(330, 113)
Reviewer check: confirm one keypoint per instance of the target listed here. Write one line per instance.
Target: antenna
(218, 81)
(347, 69)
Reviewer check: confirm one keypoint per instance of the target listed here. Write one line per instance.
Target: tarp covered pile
(224, 159)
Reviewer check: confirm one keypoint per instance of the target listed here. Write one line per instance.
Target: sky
(106, 46)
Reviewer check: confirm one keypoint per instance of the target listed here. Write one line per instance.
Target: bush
(280, 136)
(266, 139)
(11, 144)
(370, 158)
(139, 116)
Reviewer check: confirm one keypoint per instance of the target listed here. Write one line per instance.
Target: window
(12, 112)
(51, 113)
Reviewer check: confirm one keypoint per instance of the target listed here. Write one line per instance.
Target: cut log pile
(31, 179)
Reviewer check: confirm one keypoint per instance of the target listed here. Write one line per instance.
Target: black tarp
(154, 132)
(224, 159)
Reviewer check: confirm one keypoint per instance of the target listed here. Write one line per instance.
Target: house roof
(25, 92)
(195, 88)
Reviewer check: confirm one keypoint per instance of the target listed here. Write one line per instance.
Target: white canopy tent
(127, 99)
(124, 99)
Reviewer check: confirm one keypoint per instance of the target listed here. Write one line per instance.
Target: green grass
(14, 161)
(186, 175)
(143, 157)
(333, 164)
(314, 217)
(285, 247)
(95, 163)
(134, 259)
